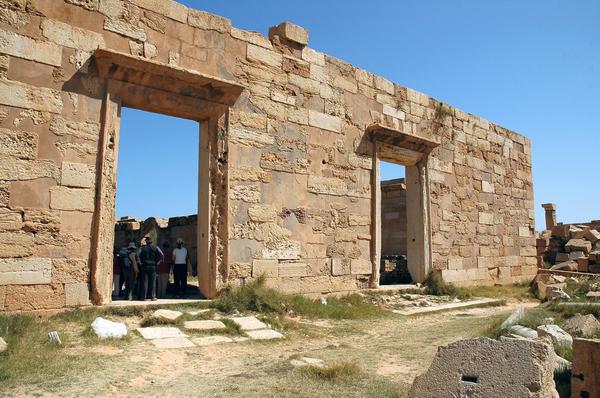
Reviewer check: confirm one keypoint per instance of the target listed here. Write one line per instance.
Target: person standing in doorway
(117, 260)
(149, 256)
(164, 270)
(130, 270)
(181, 259)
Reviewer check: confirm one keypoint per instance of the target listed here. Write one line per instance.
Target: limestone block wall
(393, 217)
(296, 156)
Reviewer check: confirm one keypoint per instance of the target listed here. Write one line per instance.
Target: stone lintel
(143, 72)
(392, 136)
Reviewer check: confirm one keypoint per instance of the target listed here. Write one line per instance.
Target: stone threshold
(137, 303)
(450, 307)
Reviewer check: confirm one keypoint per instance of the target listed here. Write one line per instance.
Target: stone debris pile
(568, 247)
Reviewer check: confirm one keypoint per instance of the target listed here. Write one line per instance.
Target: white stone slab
(240, 339)
(167, 314)
(163, 332)
(204, 325)
(264, 334)
(173, 342)
(249, 323)
(210, 340)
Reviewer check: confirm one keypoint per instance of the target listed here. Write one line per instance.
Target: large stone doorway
(411, 151)
(149, 86)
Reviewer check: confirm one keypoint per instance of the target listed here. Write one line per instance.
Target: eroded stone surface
(482, 367)
(167, 314)
(210, 340)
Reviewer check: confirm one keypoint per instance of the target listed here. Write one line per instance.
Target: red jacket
(164, 266)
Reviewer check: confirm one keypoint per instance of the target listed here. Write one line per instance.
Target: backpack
(149, 255)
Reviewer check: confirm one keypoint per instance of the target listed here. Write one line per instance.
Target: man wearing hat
(130, 270)
(149, 256)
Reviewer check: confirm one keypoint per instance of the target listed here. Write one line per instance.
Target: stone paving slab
(172, 342)
(447, 307)
(162, 332)
(204, 325)
(240, 339)
(167, 314)
(197, 312)
(249, 323)
(210, 340)
(264, 334)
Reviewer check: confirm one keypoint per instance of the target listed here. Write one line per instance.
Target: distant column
(550, 215)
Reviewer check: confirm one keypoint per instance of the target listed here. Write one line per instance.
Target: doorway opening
(156, 198)
(394, 251)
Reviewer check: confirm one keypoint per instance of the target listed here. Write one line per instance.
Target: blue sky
(531, 66)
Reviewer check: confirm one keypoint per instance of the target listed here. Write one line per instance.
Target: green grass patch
(569, 311)
(335, 373)
(257, 297)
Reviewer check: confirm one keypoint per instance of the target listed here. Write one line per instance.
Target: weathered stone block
(251, 37)
(592, 235)
(264, 56)
(585, 379)
(70, 36)
(19, 144)
(486, 218)
(25, 271)
(34, 297)
(70, 270)
(482, 367)
(326, 185)
(125, 29)
(268, 268)
(65, 198)
(15, 244)
(324, 121)
(208, 21)
(77, 294)
(262, 213)
(27, 48)
(168, 8)
(291, 32)
(29, 97)
(78, 175)
(361, 267)
(245, 193)
(10, 220)
(578, 245)
(292, 270)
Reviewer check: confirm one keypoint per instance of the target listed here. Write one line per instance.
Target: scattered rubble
(582, 325)
(482, 367)
(3, 345)
(54, 337)
(523, 331)
(514, 317)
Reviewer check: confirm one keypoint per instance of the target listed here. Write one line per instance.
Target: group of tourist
(145, 271)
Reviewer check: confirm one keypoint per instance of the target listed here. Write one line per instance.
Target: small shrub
(333, 373)
(254, 296)
(154, 321)
(436, 286)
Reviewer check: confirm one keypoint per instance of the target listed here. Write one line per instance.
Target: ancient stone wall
(393, 217)
(293, 152)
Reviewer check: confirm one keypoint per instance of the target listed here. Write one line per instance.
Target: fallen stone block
(594, 256)
(583, 264)
(592, 235)
(582, 325)
(575, 255)
(3, 345)
(152, 333)
(565, 266)
(197, 312)
(556, 293)
(249, 323)
(593, 295)
(204, 325)
(585, 372)
(514, 317)
(578, 245)
(483, 367)
(264, 334)
(166, 314)
(594, 268)
(558, 336)
(210, 340)
(172, 342)
(561, 257)
(523, 331)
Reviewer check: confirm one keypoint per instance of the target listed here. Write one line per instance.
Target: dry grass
(337, 372)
